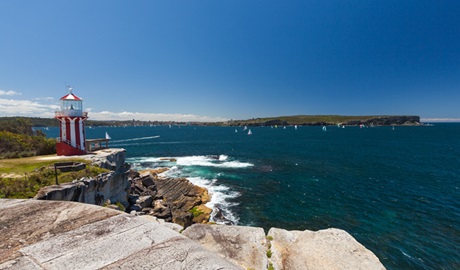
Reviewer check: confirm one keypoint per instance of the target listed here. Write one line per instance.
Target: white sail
(249, 132)
(107, 136)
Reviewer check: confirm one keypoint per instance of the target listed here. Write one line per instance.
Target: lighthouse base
(63, 149)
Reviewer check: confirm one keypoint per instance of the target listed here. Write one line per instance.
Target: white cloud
(106, 115)
(12, 107)
(38, 108)
(428, 120)
(45, 98)
(9, 93)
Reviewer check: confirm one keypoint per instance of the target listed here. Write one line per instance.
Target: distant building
(71, 139)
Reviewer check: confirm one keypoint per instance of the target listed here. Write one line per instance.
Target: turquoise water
(396, 191)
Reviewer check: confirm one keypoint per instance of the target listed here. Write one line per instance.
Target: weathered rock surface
(172, 199)
(244, 246)
(112, 159)
(183, 196)
(66, 235)
(23, 222)
(111, 186)
(325, 249)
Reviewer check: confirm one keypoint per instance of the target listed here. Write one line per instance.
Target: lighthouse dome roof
(70, 96)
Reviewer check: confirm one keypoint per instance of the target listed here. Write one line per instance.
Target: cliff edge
(68, 235)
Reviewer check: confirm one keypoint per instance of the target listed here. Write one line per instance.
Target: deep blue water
(396, 191)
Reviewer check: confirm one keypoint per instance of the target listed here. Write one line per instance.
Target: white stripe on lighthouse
(63, 130)
(82, 138)
(73, 139)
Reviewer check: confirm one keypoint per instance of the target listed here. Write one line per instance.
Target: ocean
(396, 191)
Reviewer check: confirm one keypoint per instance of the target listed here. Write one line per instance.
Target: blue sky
(218, 60)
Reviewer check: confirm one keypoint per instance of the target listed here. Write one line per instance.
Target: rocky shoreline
(178, 207)
(172, 199)
(142, 193)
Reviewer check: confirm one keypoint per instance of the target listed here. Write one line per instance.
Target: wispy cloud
(44, 98)
(106, 115)
(39, 108)
(9, 93)
(13, 107)
(428, 120)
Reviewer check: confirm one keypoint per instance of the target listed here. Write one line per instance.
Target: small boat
(107, 136)
(245, 127)
(324, 128)
(249, 132)
(295, 127)
(236, 130)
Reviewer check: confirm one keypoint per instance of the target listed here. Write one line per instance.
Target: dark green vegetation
(23, 177)
(319, 120)
(18, 139)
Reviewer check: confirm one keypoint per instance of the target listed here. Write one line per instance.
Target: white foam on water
(220, 196)
(209, 161)
(136, 139)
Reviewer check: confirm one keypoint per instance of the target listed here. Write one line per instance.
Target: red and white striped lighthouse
(71, 140)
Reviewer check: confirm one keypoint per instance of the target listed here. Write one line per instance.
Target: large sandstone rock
(175, 199)
(24, 222)
(112, 159)
(66, 235)
(325, 249)
(245, 246)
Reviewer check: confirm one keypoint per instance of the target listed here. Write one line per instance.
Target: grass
(23, 177)
(269, 253)
(195, 211)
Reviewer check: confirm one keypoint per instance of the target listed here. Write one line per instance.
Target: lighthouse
(71, 139)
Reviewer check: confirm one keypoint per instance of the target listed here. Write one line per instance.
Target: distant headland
(300, 120)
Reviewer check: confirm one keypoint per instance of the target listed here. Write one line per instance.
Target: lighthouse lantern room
(71, 139)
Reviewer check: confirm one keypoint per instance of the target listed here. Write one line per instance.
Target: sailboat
(245, 127)
(249, 132)
(236, 130)
(107, 136)
(324, 128)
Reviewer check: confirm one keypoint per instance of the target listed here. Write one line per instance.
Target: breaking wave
(222, 197)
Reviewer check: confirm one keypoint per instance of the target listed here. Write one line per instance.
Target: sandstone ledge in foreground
(324, 249)
(68, 235)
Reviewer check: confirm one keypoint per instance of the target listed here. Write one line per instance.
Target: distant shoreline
(300, 120)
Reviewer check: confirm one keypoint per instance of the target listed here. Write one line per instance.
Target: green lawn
(23, 177)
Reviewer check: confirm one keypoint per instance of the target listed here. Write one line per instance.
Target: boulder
(244, 246)
(325, 249)
(182, 196)
(145, 201)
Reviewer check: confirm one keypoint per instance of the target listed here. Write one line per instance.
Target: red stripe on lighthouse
(67, 129)
(77, 132)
